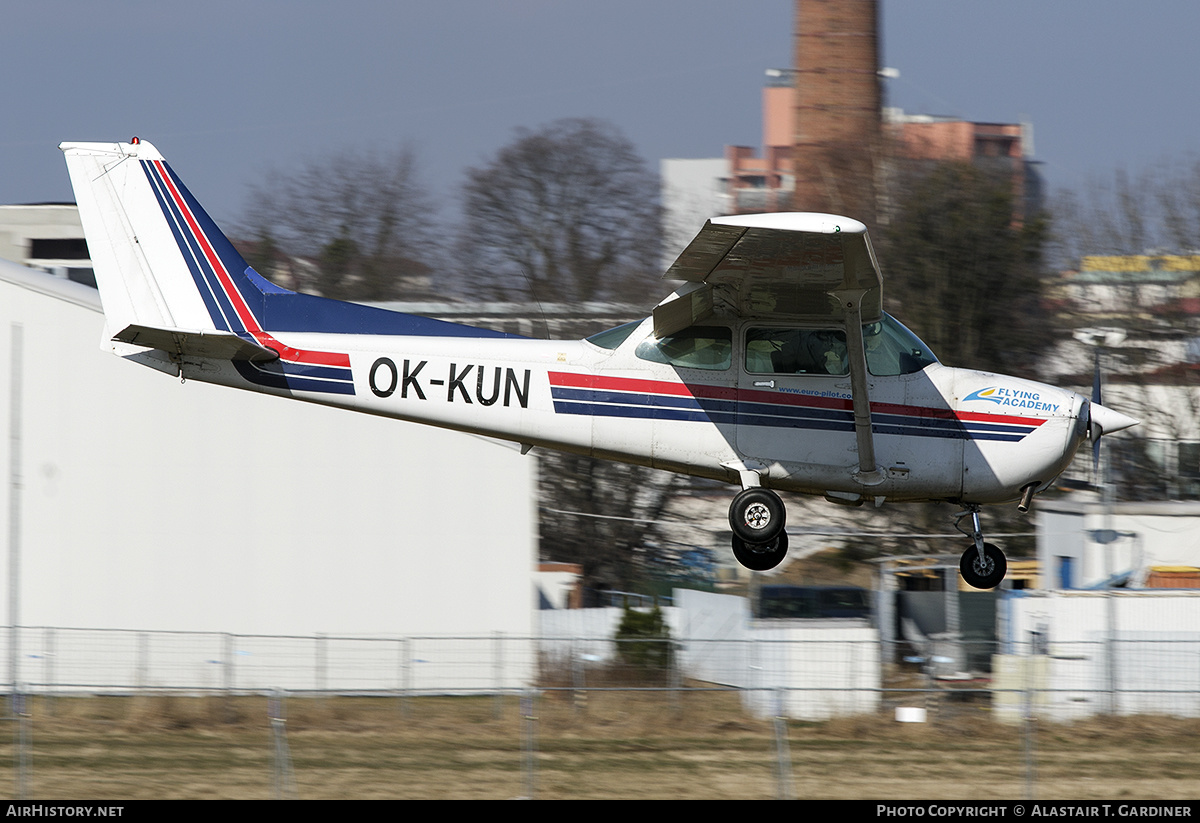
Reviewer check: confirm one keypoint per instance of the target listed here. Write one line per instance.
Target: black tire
(757, 516)
(761, 557)
(985, 575)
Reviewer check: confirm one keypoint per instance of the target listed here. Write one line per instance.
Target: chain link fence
(770, 677)
(818, 678)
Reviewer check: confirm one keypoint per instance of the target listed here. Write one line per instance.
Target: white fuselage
(939, 433)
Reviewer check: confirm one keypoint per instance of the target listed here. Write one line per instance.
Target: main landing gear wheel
(985, 572)
(761, 557)
(757, 516)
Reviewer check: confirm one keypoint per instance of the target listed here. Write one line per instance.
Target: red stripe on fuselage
(950, 414)
(244, 313)
(666, 387)
(634, 384)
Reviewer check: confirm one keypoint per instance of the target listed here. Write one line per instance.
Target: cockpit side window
(696, 347)
(891, 350)
(796, 351)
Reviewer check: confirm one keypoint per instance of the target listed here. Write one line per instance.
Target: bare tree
(1108, 217)
(1149, 223)
(963, 270)
(1143, 212)
(568, 212)
(1180, 204)
(604, 516)
(360, 222)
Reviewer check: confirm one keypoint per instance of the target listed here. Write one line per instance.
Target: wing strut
(869, 473)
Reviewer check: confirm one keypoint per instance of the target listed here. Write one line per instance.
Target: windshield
(893, 350)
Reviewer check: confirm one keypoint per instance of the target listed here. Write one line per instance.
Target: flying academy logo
(1012, 398)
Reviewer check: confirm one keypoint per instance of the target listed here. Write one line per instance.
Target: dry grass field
(615, 745)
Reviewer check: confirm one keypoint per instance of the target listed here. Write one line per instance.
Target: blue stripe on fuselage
(608, 403)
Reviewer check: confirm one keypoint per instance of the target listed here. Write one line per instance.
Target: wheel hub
(758, 516)
(983, 567)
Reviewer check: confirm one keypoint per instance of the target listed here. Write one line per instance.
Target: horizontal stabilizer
(219, 345)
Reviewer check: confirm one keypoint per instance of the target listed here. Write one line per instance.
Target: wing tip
(134, 148)
(798, 221)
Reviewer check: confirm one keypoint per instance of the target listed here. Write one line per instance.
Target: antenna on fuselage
(541, 311)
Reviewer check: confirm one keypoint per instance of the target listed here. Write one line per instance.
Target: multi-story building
(766, 181)
(46, 236)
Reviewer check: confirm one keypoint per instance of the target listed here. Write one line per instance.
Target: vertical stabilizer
(159, 259)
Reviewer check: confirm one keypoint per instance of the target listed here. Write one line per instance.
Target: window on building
(61, 248)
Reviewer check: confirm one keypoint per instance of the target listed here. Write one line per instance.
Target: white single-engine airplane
(774, 366)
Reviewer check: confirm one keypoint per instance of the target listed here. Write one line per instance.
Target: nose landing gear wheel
(760, 557)
(985, 573)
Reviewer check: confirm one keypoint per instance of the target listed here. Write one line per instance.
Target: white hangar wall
(152, 505)
(1150, 533)
(1076, 654)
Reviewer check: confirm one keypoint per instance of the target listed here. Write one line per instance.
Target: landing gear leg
(983, 565)
(757, 517)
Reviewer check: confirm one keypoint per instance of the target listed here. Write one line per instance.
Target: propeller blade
(1093, 431)
(1102, 420)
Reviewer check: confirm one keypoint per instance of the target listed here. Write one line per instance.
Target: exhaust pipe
(1027, 497)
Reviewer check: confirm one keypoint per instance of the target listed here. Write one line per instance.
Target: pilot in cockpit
(881, 359)
(817, 351)
(827, 350)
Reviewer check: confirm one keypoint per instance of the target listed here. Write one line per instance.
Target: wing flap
(704, 253)
(684, 310)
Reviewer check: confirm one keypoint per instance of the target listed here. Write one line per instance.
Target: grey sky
(227, 89)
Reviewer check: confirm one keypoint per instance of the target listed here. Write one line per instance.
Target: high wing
(786, 267)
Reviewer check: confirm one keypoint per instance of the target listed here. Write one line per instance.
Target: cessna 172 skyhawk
(774, 366)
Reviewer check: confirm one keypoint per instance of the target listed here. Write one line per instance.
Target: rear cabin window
(613, 338)
(696, 347)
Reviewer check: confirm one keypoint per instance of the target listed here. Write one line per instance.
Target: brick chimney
(838, 121)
